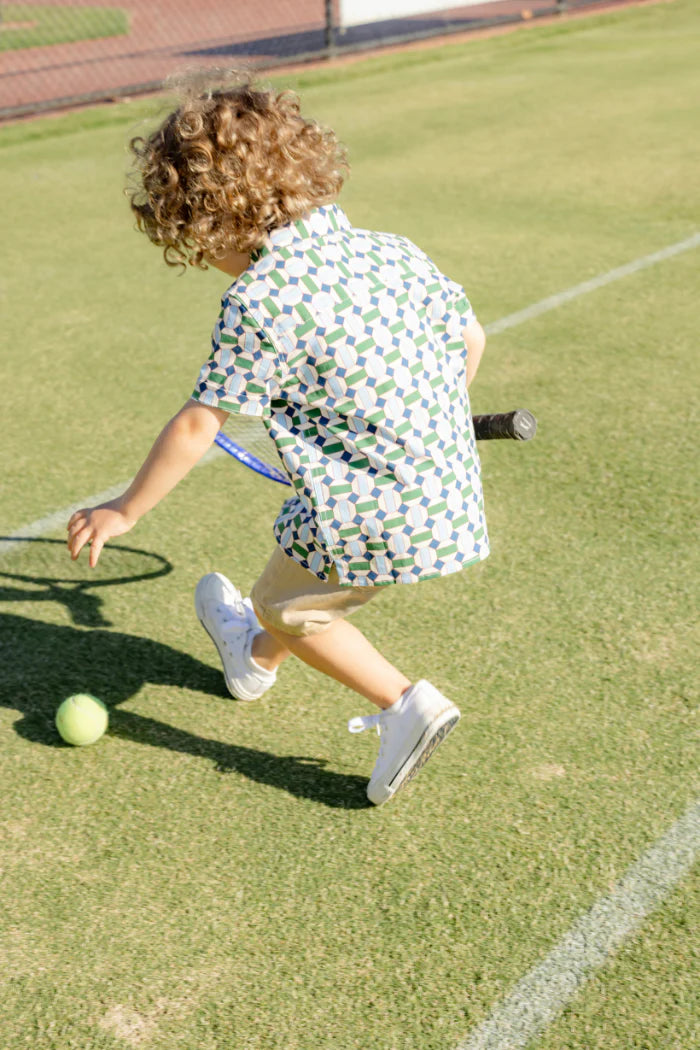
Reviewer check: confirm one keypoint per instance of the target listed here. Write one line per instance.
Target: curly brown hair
(229, 165)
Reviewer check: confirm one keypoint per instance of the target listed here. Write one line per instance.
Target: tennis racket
(254, 448)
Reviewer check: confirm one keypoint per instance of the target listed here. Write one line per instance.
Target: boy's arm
(180, 445)
(475, 339)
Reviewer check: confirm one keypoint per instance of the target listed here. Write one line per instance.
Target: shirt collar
(320, 222)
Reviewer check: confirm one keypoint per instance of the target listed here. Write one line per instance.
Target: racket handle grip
(519, 425)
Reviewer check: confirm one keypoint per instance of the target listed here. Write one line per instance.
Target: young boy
(351, 347)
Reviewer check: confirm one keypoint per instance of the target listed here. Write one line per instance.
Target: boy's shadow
(43, 663)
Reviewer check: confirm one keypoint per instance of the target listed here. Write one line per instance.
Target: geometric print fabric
(349, 345)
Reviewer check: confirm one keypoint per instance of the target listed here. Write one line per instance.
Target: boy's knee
(289, 630)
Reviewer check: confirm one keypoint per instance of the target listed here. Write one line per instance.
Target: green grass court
(207, 876)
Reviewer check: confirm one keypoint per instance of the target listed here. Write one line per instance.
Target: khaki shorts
(289, 597)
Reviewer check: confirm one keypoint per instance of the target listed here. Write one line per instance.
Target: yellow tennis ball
(81, 719)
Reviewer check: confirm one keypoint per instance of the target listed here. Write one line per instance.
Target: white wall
(357, 12)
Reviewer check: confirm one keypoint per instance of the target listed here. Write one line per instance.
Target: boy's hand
(180, 445)
(96, 525)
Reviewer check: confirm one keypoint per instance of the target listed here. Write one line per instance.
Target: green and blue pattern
(350, 346)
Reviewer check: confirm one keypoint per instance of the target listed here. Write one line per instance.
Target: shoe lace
(237, 619)
(362, 722)
(378, 722)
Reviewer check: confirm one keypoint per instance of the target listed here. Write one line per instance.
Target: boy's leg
(413, 720)
(307, 616)
(267, 651)
(340, 651)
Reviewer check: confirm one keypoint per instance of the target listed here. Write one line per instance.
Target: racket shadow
(46, 662)
(77, 593)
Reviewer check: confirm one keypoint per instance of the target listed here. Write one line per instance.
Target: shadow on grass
(302, 776)
(44, 663)
(70, 589)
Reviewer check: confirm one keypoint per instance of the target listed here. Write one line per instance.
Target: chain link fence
(59, 53)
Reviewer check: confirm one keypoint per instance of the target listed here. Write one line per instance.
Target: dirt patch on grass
(127, 1024)
(548, 771)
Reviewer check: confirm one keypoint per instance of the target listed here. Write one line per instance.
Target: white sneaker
(409, 732)
(231, 623)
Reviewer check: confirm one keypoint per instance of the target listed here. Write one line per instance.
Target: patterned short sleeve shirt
(349, 345)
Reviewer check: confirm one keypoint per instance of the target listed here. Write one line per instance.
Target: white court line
(553, 301)
(59, 517)
(542, 993)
